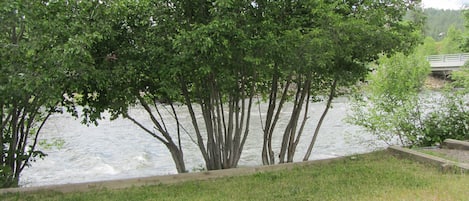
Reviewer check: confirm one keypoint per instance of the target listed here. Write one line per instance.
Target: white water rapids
(119, 149)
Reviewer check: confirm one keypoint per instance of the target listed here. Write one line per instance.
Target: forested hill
(438, 22)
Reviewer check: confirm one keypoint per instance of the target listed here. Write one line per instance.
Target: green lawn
(376, 176)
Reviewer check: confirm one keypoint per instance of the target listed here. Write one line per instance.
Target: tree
(451, 118)
(217, 55)
(221, 82)
(179, 52)
(131, 67)
(439, 21)
(451, 43)
(428, 47)
(334, 47)
(461, 78)
(292, 53)
(44, 46)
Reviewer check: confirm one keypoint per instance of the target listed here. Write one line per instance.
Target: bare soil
(435, 82)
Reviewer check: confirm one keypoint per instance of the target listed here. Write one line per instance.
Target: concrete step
(455, 144)
(445, 164)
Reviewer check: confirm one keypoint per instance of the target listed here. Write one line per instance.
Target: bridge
(447, 62)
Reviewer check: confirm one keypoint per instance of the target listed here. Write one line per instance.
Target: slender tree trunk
(165, 138)
(176, 153)
(14, 139)
(266, 148)
(36, 136)
(316, 131)
(218, 129)
(2, 130)
(305, 118)
(273, 116)
(246, 128)
(296, 135)
(178, 157)
(200, 141)
(178, 124)
(225, 116)
(290, 133)
(230, 129)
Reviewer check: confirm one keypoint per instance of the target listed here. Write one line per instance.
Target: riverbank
(374, 176)
(120, 150)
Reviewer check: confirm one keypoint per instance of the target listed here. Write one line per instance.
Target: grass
(375, 176)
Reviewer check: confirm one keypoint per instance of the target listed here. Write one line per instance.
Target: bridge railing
(447, 62)
(448, 58)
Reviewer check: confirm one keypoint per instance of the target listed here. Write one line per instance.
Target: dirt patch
(435, 82)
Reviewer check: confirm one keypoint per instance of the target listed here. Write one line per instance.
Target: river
(119, 149)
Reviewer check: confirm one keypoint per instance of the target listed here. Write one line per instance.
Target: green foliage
(350, 34)
(111, 55)
(446, 27)
(57, 143)
(394, 107)
(461, 78)
(398, 77)
(465, 43)
(449, 120)
(452, 43)
(438, 22)
(428, 47)
(219, 54)
(390, 106)
(45, 54)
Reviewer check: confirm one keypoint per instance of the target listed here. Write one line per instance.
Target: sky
(444, 4)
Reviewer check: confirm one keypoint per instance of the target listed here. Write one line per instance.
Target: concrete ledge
(456, 144)
(165, 179)
(444, 164)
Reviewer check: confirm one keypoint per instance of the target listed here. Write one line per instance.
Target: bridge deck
(447, 62)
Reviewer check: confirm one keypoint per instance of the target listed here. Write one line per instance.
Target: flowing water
(119, 149)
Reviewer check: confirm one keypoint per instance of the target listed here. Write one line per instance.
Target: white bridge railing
(447, 62)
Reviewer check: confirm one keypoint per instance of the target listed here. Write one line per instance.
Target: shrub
(450, 120)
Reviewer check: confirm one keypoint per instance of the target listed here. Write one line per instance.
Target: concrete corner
(455, 144)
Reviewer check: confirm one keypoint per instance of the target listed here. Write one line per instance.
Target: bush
(389, 108)
(6, 177)
(449, 121)
(394, 110)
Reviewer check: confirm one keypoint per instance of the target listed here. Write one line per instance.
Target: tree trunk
(295, 138)
(165, 138)
(246, 129)
(290, 133)
(178, 157)
(273, 116)
(200, 141)
(316, 131)
(266, 148)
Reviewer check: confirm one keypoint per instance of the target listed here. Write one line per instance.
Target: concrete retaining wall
(444, 164)
(165, 179)
(195, 176)
(455, 144)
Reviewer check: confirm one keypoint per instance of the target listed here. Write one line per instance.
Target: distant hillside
(438, 22)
